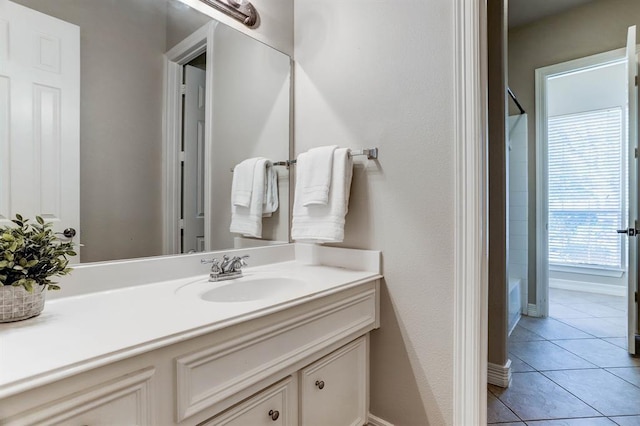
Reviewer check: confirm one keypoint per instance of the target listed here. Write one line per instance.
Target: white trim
(532, 310)
(377, 421)
(185, 51)
(542, 205)
(499, 375)
(542, 189)
(587, 287)
(587, 270)
(470, 284)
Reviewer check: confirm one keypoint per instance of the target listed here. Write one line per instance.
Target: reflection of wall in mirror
(122, 47)
(250, 119)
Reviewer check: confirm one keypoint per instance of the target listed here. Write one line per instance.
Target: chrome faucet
(227, 268)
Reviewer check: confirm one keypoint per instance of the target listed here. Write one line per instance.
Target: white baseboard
(587, 287)
(532, 310)
(499, 375)
(377, 421)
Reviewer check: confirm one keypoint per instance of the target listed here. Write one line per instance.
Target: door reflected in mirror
(128, 199)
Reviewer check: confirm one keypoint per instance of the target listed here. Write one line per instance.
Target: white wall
(381, 74)
(275, 22)
(598, 88)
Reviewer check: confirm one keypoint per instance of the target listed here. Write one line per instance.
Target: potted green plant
(30, 255)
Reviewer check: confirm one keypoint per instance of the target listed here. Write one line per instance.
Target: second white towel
(324, 223)
(315, 182)
(248, 220)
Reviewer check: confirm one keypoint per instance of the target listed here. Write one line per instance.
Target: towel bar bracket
(371, 153)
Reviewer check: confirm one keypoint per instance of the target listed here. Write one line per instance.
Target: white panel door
(634, 199)
(193, 166)
(39, 117)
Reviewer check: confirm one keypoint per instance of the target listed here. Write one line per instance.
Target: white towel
(325, 223)
(315, 181)
(242, 184)
(248, 220)
(270, 202)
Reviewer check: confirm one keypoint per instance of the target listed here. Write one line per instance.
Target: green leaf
(40, 220)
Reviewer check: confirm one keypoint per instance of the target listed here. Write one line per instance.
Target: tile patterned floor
(571, 368)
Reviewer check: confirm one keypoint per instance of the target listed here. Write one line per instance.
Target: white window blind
(586, 188)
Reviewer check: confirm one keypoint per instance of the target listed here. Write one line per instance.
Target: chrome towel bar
(371, 153)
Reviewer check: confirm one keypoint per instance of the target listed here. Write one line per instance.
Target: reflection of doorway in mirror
(39, 133)
(192, 185)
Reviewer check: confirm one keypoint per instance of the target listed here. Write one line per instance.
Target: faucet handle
(215, 267)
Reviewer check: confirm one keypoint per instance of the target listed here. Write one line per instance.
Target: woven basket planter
(17, 304)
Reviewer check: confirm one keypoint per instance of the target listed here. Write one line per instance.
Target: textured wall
(380, 73)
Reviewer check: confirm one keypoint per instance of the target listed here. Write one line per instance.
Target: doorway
(560, 370)
(192, 166)
(187, 144)
(582, 171)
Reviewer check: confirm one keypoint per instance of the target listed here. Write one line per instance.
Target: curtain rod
(515, 100)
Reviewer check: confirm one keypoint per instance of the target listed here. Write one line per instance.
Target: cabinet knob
(320, 384)
(274, 415)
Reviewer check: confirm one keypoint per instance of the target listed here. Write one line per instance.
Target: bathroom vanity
(286, 344)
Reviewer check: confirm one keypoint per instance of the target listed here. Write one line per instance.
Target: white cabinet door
(334, 389)
(274, 406)
(39, 117)
(126, 400)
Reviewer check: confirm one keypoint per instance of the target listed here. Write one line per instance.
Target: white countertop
(75, 334)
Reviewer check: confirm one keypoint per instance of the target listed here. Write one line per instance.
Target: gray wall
(597, 27)
(380, 73)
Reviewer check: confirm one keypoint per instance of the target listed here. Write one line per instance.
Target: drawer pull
(320, 384)
(274, 415)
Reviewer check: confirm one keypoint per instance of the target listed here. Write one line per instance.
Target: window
(587, 184)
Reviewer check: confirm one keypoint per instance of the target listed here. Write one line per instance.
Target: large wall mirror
(160, 102)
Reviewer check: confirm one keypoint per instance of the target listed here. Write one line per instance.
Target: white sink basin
(250, 289)
(245, 289)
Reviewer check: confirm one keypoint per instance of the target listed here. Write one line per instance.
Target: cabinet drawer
(274, 406)
(333, 390)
